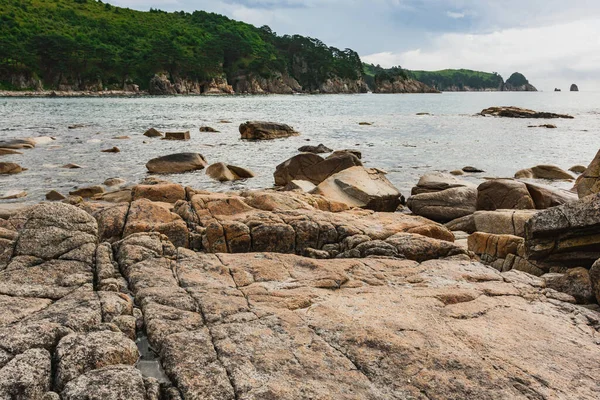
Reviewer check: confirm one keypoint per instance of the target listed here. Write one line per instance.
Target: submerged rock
(114, 149)
(153, 133)
(9, 168)
(516, 112)
(208, 129)
(259, 130)
(176, 163)
(320, 149)
(177, 135)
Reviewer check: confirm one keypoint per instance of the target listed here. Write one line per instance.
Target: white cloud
(455, 15)
(549, 56)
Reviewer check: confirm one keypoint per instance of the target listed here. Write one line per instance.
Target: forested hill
(468, 80)
(90, 45)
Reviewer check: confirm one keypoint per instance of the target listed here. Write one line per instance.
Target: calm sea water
(399, 141)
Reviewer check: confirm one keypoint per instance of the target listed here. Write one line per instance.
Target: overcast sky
(552, 42)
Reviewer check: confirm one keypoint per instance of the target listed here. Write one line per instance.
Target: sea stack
(574, 88)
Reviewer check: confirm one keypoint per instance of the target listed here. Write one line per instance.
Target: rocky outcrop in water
(574, 88)
(401, 85)
(516, 112)
(261, 130)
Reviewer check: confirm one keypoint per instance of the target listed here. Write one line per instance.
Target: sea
(449, 137)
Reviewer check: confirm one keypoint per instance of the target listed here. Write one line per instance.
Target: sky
(554, 43)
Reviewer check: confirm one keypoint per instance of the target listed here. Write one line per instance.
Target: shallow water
(399, 141)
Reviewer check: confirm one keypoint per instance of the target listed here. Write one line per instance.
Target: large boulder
(550, 172)
(547, 196)
(361, 187)
(505, 194)
(567, 234)
(152, 132)
(259, 130)
(445, 205)
(313, 168)
(9, 168)
(27, 376)
(576, 282)
(176, 163)
(589, 182)
(165, 192)
(223, 172)
(516, 112)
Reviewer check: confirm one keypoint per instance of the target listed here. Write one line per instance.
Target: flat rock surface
(268, 325)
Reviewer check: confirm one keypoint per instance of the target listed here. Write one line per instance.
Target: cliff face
(337, 85)
(403, 86)
(507, 87)
(276, 84)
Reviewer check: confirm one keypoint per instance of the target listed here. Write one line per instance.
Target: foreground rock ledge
(278, 326)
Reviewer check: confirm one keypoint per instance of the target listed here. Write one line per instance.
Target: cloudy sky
(553, 42)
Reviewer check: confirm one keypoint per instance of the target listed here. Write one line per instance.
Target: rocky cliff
(403, 86)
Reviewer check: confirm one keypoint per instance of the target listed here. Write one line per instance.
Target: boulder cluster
(322, 287)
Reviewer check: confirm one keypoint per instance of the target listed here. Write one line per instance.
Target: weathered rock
(575, 281)
(160, 85)
(165, 192)
(497, 194)
(176, 163)
(421, 248)
(117, 382)
(153, 133)
(502, 222)
(472, 170)
(111, 222)
(87, 192)
(13, 194)
(72, 166)
(298, 184)
(595, 279)
(4, 152)
(116, 196)
(177, 135)
(9, 168)
(79, 353)
(27, 376)
(361, 187)
(588, 183)
(547, 196)
(258, 130)
(516, 112)
(110, 182)
(147, 216)
(208, 129)
(223, 172)
(435, 182)
(313, 168)
(567, 234)
(444, 205)
(549, 172)
(53, 195)
(121, 137)
(457, 172)
(578, 169)
(114, 149)
(321, 148)
(547, 126)
(18, 143)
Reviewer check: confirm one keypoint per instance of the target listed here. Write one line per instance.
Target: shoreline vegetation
(89, 48)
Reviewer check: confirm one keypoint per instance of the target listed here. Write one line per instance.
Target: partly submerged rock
(361, 187)
(550, 172)
(259, 130)
(320, 149)
(9, 168)
(87, 192)
(153, 133)
(224, 172)
(177, 135)
(208, 129)
(176, 163)
(516, 112)
(114, 149)
(53, 195)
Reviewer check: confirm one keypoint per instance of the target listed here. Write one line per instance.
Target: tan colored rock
(166, 192)
(502, 194)
(72, 166)
(176, 163)
(18, 143)
(576, 282)
(595, 279)
(114, 182)
(588, 182)
(53, 195)
(224, 173)
(26, 376)
(313, 168)
(550, 172)
(444, 205)
(435, 182)
(114, 149)
(298, 184)
(578, 169)
(117, 382)
(87, 192)
(208, 129)
(153, 133)
(4, 152)
(502, 222)
(177, 135)
(547, 196)
(121, 137)
(147, 216)
(13, 194)
(259, 130)
(362, 188)
(9, 168)
(116, 196)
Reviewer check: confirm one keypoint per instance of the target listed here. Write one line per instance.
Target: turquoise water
(399, 141)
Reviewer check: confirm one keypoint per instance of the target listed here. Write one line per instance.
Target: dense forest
(87, 43)
(460, 79)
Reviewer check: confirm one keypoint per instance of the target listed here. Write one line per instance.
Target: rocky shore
(322, 287)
